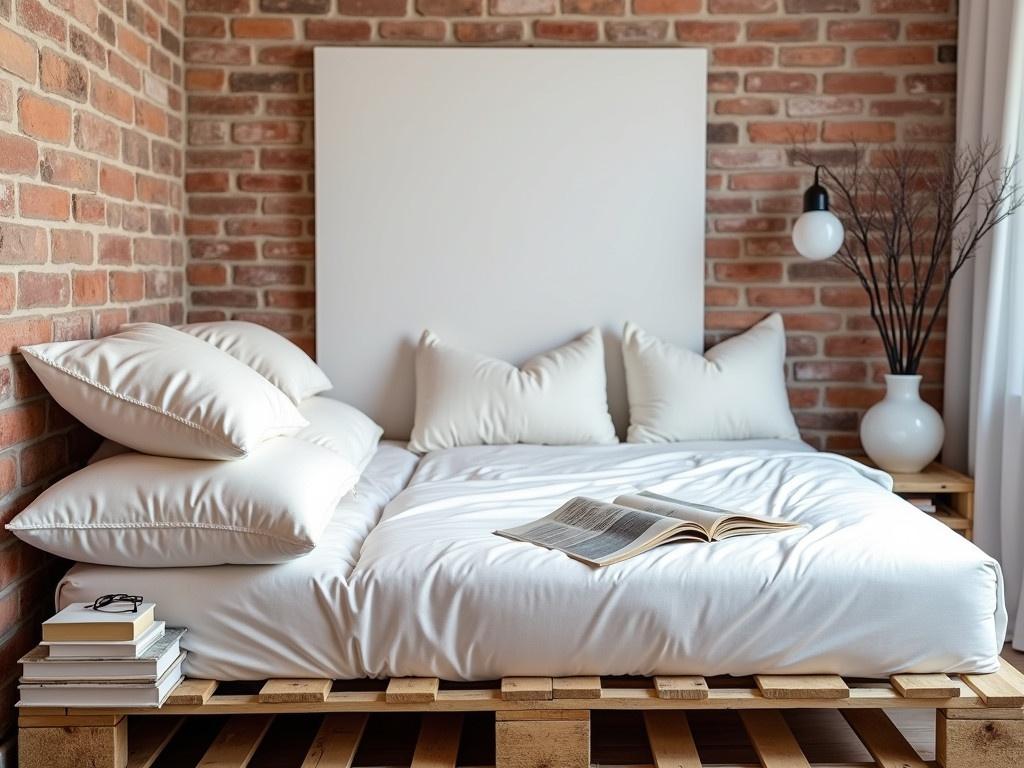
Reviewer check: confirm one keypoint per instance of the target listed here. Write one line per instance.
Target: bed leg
(542, 739)
(979, 738)
(61, 743)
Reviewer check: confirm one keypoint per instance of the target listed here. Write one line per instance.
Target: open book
(600, 533)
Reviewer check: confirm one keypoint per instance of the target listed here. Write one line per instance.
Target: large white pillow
(155, 512)
(339, 427)
(164, 392)
(270, 354)
(735, 391)
(556, 398)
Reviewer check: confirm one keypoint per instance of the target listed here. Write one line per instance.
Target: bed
(412, 582)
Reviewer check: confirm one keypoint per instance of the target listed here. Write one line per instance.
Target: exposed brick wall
(91, 198)
(817, 71)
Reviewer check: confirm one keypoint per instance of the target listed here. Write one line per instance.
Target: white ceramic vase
(902, 433)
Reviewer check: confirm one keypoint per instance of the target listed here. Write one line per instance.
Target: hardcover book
(39, 667)
(79, 622)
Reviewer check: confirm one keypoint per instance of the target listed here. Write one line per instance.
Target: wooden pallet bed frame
(543, 722)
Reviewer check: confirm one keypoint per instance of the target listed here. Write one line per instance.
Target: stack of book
(924, 503)
(90, 658)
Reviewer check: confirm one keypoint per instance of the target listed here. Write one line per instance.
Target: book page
(704, 516)
(597, 532)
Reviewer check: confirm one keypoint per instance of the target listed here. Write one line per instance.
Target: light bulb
(817, 235)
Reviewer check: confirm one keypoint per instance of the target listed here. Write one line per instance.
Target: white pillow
(339, 427)
(735, 391)
(154, 512)
(270, 354)
(557, 398)
(163, 392)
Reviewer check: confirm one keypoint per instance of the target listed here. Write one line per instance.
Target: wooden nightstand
(952, 491)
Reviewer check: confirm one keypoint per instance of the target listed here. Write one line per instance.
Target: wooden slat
(576, 687)
(883, 739)
(336, 742)
(925, 686)
(802, 686)
(148, 739)
(438, 742)
(1004, 688)
(679, 687)
(237, 742)
(771, 738)
(277, 691)
(411, 690)
(190, 691)
(526, 688)
(671, 740)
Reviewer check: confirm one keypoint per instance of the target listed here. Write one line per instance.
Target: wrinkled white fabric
(871, 587)
(164, 392)
(734, 391)
(556, 398)
(268, 353)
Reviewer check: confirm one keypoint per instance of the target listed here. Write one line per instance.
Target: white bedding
(871, 587)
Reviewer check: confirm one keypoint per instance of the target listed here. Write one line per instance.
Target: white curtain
(984, 396)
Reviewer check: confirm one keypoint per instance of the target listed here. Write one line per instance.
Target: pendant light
(817, 234)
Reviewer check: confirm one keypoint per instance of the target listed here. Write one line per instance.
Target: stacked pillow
(228, 454)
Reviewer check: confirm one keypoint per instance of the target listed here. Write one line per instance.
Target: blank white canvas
(506, 199)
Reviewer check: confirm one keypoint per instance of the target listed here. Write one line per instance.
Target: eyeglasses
(117, 603)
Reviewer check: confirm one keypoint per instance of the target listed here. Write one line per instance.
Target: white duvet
(869, 587)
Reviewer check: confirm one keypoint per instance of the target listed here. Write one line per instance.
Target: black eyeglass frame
(103, 602)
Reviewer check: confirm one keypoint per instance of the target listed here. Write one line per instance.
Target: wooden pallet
(542, 722)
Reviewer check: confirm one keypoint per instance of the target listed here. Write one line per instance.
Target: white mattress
(870, 587)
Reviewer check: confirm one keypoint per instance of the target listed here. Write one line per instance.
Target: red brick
(22, 422)
(927, 83)
(203, 52)
(36, 18)
(647, 31)
(823, 106)
(112, 100)
(910, 6)
(17, 155)
(117, 182)
(17, 54)
(40, 202)
(43, 289)
(743, 56)
(812, 56)
(207, 274)
(666, 7)
(523, 7)
(783, 132)
(22, 331)
(783, 30)
(334, 30)
(212, 181)
(44, 119)
(95, 134)
(267, 226)
(232, 250)
(43, 459)
(780, 297)
(904, 107)
(67, 169)
(450, 7)
(743, 6)
(224, 298)
(89, 288)
(372, 7)
(749, 271)
(854, 30)
(746, 105)
(859, 130)
(115, 249)
(152, 251)
(71, 246)
(7, 192)
(205, 79)
(488, 31)
(932, 30)
(241, 158)
(263, 28)
(127, 286)
(223, 105)
(63, 76)
(205, 26)
(150, 118)
(264, 275)
(285, 299)
(267, 132)
(855, 82)
(425, 31)
(707, 31)
(853, 346)
(88, 209)
(132, 45)
(894, 56)
(567, 31)
(766, 181)
(290, 250)
(780, 82)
